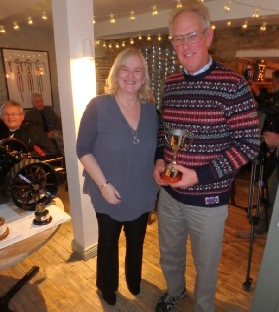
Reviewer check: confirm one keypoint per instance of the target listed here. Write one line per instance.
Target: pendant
(136, 141)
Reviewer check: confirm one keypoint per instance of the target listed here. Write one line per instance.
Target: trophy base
(42, 218)
(171, 179)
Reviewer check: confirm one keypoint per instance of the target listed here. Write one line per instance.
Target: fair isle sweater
(218, 108)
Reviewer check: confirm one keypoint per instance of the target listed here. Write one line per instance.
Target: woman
(116, 145)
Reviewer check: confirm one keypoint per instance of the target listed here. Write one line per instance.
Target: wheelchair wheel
(11, 144)
(31, 182)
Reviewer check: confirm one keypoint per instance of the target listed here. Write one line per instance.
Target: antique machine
(25, 180)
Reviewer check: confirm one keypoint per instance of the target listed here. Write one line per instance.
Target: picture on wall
(27, 72)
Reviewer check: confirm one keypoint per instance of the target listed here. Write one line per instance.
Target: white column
(72, 23)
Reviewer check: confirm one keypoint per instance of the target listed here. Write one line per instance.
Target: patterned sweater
(218, 108)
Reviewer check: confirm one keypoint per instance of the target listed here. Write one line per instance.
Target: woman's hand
(110, 194)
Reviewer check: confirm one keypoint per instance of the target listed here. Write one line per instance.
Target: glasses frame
(188, 36)
(11, 115)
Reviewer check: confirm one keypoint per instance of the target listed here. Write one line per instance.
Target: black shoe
(134, 290)
(109, 297)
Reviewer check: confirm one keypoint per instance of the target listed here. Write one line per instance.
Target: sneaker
(166, 302)
(245, 234)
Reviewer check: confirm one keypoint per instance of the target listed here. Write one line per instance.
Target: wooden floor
(66, 283)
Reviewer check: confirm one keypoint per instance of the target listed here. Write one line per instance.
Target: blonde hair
(145, 92)
(195, 7)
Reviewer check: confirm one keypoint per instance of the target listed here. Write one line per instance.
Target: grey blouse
(105, 133)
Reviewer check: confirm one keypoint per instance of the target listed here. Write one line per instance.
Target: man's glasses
(11, 115)
(192, 37)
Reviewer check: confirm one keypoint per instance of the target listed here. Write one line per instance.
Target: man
(216, 105)
(16, 127)
(45, 117)
(268, 104)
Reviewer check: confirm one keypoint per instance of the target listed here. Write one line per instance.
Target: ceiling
(19, 10)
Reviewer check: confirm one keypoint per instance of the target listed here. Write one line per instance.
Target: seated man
(16, 127)
(45, 118)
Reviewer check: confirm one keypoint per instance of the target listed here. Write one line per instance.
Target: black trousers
(107, 279)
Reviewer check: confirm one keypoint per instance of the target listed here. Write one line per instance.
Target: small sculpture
(42, 215)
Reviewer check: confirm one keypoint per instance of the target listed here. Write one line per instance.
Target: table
(15, 253)
(18, 251)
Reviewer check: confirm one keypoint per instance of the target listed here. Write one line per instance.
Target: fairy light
(44, 16)
(179, 4)
(2, 29)
(16, 27)
(263, 27)
(245, 25)
(29, 20)
(256, 13)
(154, 10)
(132, 16)
(227, 7)
(112, 19)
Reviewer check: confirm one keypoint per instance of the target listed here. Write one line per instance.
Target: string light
(256, 13)
(227, 7)
(2, 29)
(112, 19)
(132, 16)
(245, 25)
(16, 27)
(179, 4)
(263, 27)
(44, 16)
(29, 20)
(154, 12)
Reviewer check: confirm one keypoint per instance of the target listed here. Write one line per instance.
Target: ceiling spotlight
(29, 20)
(154, 10)
(111, 20)
(2, 29)
(44, 16)
(16, 27)
(132, 16)
(179, 4)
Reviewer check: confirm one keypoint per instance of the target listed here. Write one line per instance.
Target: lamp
(87, 49)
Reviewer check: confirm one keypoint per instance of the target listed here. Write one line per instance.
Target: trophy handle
(191, 135)
(166, 129)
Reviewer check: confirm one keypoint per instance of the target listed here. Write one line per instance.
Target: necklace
(135, 135)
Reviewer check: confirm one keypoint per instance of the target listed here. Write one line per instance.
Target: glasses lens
(178, 41)
(194, 38)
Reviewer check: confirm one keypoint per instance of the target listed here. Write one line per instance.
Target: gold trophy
(178, 140)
